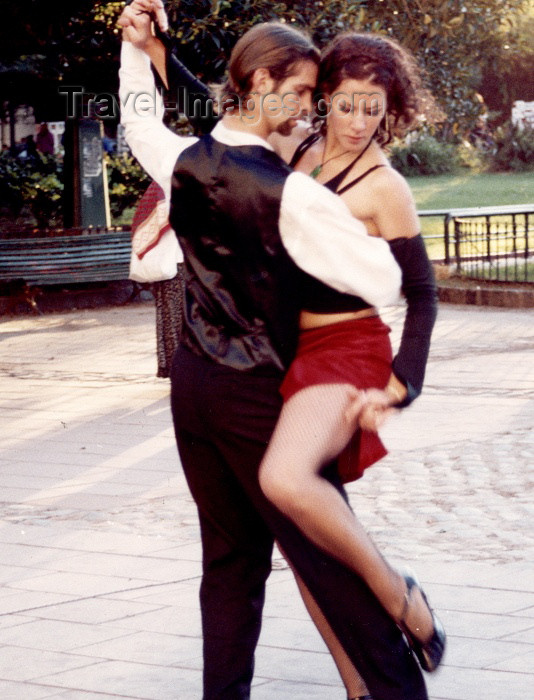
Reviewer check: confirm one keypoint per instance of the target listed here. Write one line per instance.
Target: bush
(31, 189)
(127, 181)
(424, 155)
(34, 183)
(514, 148)
(473, 157)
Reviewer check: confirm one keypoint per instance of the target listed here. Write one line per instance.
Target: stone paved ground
(99, 545)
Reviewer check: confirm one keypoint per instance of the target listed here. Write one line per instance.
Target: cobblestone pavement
(99, 545)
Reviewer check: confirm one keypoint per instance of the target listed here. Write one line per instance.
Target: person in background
(151, 215)
(27, 149)
(109, 144)
(45, 140)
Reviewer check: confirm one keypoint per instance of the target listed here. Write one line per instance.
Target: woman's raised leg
(311, 431)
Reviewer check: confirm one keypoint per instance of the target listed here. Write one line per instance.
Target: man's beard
(285, 128)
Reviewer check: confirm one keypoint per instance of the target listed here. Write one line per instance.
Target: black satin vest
(241, 298)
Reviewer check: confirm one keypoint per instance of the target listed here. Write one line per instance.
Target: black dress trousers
(223, 420)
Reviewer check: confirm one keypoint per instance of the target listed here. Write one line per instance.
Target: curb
(487, 296)
(63, 299)
(122, 293)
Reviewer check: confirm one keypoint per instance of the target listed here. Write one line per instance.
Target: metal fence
(493, 243)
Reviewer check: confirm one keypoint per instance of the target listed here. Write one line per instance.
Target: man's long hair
(271, 45)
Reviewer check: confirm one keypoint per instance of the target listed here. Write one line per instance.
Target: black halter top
(333, 183)
(318, 297)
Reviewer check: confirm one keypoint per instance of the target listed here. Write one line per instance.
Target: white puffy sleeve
(326, 241)
(154, 145)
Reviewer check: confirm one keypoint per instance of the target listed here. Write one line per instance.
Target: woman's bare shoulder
(389, 183)
(397, 214)
(389, 203)
(388, 178)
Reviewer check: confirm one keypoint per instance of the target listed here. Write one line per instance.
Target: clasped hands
(136, 21)
(369, 408)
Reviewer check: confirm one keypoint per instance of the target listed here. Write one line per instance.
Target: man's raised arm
(190, 95)
(154, 145)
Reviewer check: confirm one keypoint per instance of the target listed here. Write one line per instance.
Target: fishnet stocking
(311, 431)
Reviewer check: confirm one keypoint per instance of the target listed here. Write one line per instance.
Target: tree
(42, 48)
(509, 75)
(208, 29)
(450, 38)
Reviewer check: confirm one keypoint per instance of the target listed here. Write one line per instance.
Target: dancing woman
(342, 384)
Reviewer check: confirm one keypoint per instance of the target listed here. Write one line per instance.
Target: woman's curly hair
(381, 60)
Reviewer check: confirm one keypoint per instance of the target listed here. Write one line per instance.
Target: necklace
(315, 172)
(339, 177)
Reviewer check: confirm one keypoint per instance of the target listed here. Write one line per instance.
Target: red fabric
(150, 220)
(357, 352)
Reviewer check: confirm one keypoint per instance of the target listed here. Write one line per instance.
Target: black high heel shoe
(429, 653)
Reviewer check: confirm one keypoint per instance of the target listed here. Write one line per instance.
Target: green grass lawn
(466, 190)
(472, 190)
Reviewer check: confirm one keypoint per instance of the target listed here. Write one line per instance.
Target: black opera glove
(419, 288)
(190, 95)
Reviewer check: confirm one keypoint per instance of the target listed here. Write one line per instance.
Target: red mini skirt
(356, 352)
